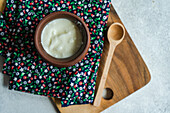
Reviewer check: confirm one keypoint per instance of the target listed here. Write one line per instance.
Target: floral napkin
(29, 72)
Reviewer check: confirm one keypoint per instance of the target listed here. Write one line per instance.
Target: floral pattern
(29, 72)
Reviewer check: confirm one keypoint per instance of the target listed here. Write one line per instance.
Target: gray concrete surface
(148, 23)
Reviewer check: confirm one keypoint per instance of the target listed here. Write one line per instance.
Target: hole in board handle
(107, 94)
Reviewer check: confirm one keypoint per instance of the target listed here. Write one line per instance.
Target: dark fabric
(29, 73)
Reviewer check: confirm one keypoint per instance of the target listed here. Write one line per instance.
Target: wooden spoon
(115, 35)
(2, 6)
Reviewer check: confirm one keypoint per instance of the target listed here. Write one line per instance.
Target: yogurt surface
(61, 38)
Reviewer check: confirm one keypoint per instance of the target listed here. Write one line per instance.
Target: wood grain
(2, 5)
(127, 73)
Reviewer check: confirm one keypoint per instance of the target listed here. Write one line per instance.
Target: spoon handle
(104, 75)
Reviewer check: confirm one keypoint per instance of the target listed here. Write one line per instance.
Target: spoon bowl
(116, 33)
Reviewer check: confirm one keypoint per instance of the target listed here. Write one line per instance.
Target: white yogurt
(61, 38)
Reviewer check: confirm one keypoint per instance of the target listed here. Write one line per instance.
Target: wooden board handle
(104, 76)
(115, 35)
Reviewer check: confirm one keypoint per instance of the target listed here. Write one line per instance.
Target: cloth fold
(29, 72)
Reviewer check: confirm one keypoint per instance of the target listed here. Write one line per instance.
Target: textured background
(148, 23)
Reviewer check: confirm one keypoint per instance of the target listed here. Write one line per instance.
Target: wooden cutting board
(127, 73)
